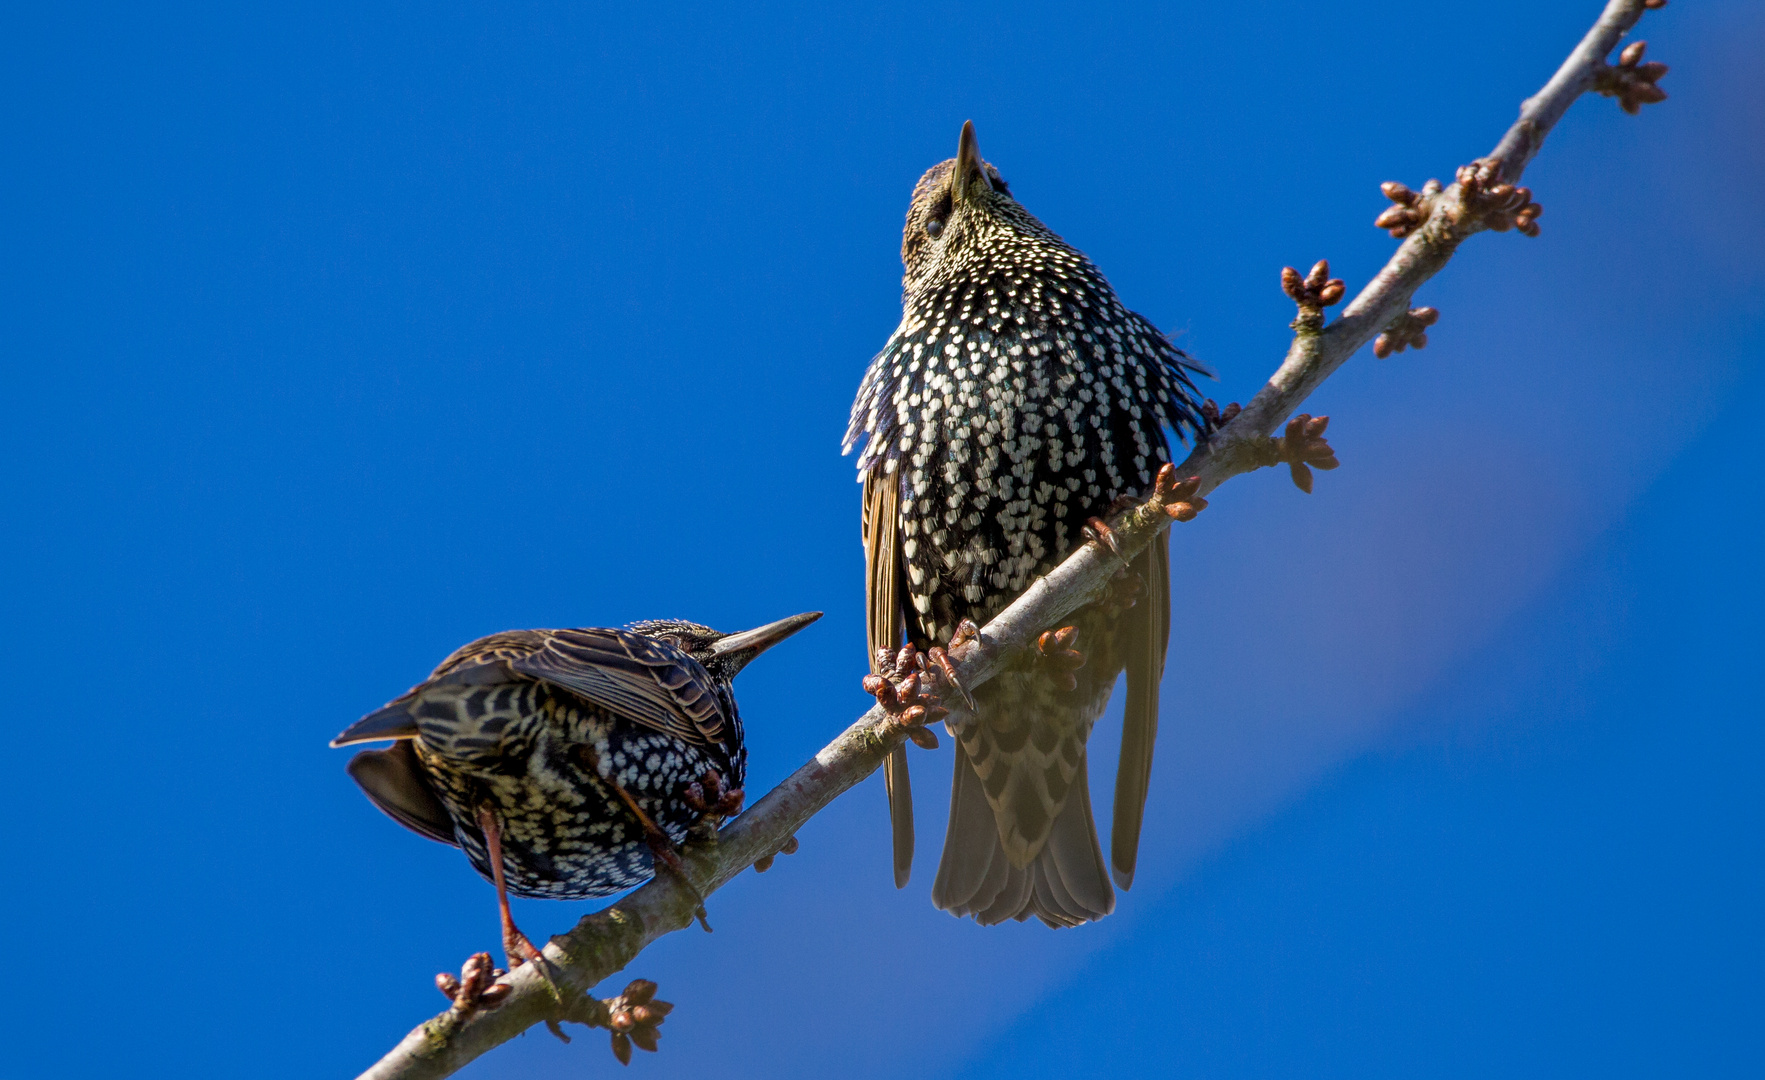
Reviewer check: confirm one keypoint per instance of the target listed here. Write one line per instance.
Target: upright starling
(1016, 402)
(567, 762)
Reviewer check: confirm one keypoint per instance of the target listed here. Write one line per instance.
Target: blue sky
(336, 337)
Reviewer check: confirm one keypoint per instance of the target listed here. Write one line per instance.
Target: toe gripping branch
(906, 687)
(1055, 655)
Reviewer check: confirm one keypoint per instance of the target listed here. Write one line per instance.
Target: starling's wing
(1145, 630)
(886, 623)
(632, 676)
(393, 780)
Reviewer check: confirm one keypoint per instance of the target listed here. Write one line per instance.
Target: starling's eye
(934, 227)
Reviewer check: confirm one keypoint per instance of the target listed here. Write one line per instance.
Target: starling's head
(958, 206)
(723, 655)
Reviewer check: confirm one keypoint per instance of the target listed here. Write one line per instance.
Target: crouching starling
(567, 763)
(1016, 402)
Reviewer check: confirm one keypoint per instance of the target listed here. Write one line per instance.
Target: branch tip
(1313, 293)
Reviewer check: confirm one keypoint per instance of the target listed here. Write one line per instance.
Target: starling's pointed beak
(751, 643)
(971, 174)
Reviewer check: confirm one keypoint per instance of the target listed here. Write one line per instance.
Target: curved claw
(1099, 530)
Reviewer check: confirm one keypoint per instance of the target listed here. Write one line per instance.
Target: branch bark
(605, 942)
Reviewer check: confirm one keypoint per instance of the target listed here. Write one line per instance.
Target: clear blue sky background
(335, 336)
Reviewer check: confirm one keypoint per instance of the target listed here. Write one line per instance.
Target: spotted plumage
(1017, 399)
(569, 740)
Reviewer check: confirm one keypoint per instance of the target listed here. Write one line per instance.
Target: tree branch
(1434, 223)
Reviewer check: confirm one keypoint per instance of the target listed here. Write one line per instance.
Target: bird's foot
(476, 987)
(966, 631)
(906, 691)
(1303, 448)
(519, 949)
(632, 1017)
(662, 849)
(1098, 531)
(1056, 656)
(710, 798)
(764, 862)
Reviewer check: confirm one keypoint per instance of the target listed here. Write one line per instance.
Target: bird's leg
(966, 631)
(661, 847)
(515, 944)
(908, 698)
(476, 988)
(1056, 656)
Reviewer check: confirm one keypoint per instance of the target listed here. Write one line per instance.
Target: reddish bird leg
(516, 947)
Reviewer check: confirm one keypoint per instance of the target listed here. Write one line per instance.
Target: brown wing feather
(1145, 629)
(886, 626)
(637, 677)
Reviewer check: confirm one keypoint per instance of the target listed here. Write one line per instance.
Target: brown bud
(1382, 346)
(1398, 193)
(1332, 291)
(790, 846)
(1654, 5)
(622, 1048)
(1427, 316)
(1632, 54)
(923, 738)
(1320, 273)
(645, 1038)
(762, 864)
(1166, 481)
(1301, 475)
(1292, 284)
(447, 984)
